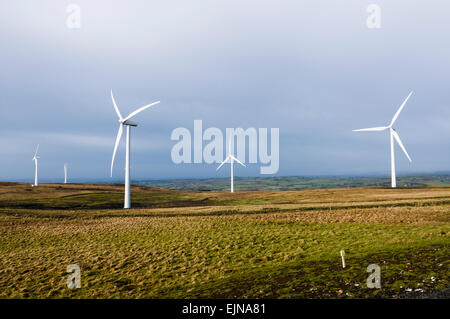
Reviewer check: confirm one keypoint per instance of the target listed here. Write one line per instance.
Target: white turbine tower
(393, 135)
(230, 158)
(36, 160)
(65, 173)
(126, 122)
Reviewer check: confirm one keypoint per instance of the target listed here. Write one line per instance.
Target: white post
(36, 172)
(232, 179)
(343, 258)
(127, 171)
(393, 179)
(65, 174)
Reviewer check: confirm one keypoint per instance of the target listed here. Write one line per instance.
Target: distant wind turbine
(65, 173)
(393, 135)
(36, 160)
(230, 158)
(126, 122)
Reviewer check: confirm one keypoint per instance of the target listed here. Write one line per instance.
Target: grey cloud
(311, 68)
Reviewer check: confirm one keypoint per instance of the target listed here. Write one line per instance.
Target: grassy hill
(210, 244)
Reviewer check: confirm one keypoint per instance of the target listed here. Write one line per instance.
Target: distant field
(212, 244)
(297, 183)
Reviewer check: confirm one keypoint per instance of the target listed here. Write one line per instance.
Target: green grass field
(283, 183)
(212, 244)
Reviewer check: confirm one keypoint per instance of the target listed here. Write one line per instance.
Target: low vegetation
(297, 182)
(250, 244)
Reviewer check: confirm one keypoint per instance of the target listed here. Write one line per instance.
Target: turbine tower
(393, 136)
(126, 122)
(230, 158)
(36, 160)
(65, 173)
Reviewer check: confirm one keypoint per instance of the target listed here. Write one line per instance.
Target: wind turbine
(65, 173)
(126, 122)
(36, 160)
(393, 135)
(230, 158)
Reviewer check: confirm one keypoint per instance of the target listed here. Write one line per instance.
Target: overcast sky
(313, 69)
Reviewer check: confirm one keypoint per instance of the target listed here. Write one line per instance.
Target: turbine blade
(397, 138)
(237, 160)
(381, 128)
(400, 109)
(115, 107)
(140, 110)
(221, 164)
(119, 135)
(37, 148)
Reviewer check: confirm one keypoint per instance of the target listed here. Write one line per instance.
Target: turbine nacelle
(129, 123)
(230, 159)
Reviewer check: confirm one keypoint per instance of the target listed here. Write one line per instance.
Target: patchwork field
(212, 244)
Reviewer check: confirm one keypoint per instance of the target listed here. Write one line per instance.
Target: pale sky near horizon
(313, 69)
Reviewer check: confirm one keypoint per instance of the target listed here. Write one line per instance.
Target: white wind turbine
(65, 173)
(230, 158)
(36, 160)
(393, 135)
(126, 122)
